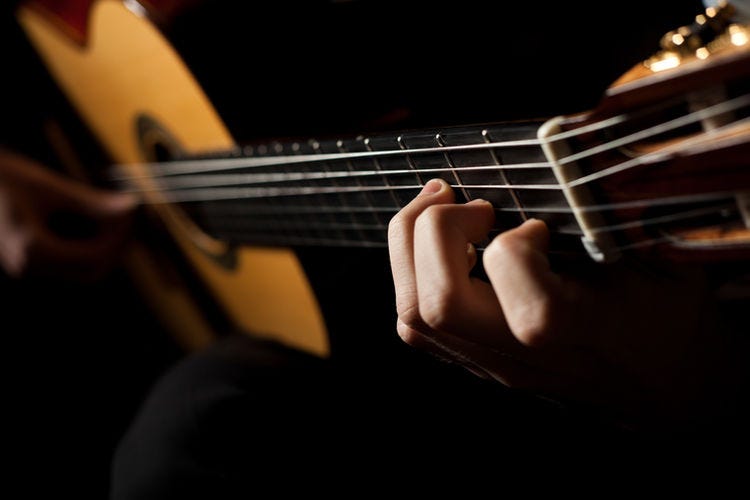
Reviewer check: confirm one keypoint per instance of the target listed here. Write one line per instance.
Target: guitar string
(221, 180)
(724, 210)
(248, 192)
(327, 242)
(256, 210)
(659, 129)
(343, 242)
(191, 166)
(223, 193)
(249, 212)
(184, 167)
(179, 167)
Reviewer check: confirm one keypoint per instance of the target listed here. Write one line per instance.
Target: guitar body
(125, 66)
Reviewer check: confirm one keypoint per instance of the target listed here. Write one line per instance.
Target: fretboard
(345, 191)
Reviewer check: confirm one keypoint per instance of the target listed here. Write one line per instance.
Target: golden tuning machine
(711, 32)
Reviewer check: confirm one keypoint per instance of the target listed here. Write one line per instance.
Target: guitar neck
(343, 192)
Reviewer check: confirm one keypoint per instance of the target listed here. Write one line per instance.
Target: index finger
(401, 244)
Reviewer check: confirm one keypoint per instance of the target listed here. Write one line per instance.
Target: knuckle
(499, 248)
(441, 310)
(397, 225)
(534, 326)
(408, 334)
(409, 316)
(410, 217)
(434, 215)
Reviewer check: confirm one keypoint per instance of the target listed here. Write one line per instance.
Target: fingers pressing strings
(435, 293)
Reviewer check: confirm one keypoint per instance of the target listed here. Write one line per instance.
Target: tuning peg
(707, 26)
(711, 31)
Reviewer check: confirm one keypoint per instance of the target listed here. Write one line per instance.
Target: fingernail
(432, 187)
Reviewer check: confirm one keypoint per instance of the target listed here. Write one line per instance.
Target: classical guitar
(656, 169)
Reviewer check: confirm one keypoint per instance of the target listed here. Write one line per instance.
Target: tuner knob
(687, 40)
(712, 31)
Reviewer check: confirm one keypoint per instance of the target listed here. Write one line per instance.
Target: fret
(369, 222)
(410, 160)
(364, 199)
(510, 198)
(341, 198)
(232, 224)
(396, 162)
(431, 160)
(381, 199)
(312, 201)
(441, 143)
(274, 218)
(496, 161)
(482, 157)
(521, 154)
(530, 154)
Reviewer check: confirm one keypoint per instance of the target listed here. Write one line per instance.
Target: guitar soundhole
(156, 143)
(161, 152)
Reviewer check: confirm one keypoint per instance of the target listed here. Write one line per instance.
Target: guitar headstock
(667, 151)
(714, 32)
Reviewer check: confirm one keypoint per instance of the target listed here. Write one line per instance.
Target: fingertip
(483, 209)
(433, 186)
(481, 203)
(535, 224)
(534, 231)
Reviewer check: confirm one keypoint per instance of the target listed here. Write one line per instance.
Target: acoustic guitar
(656, 169)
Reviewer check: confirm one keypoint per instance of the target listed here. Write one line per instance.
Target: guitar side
(126, 73)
